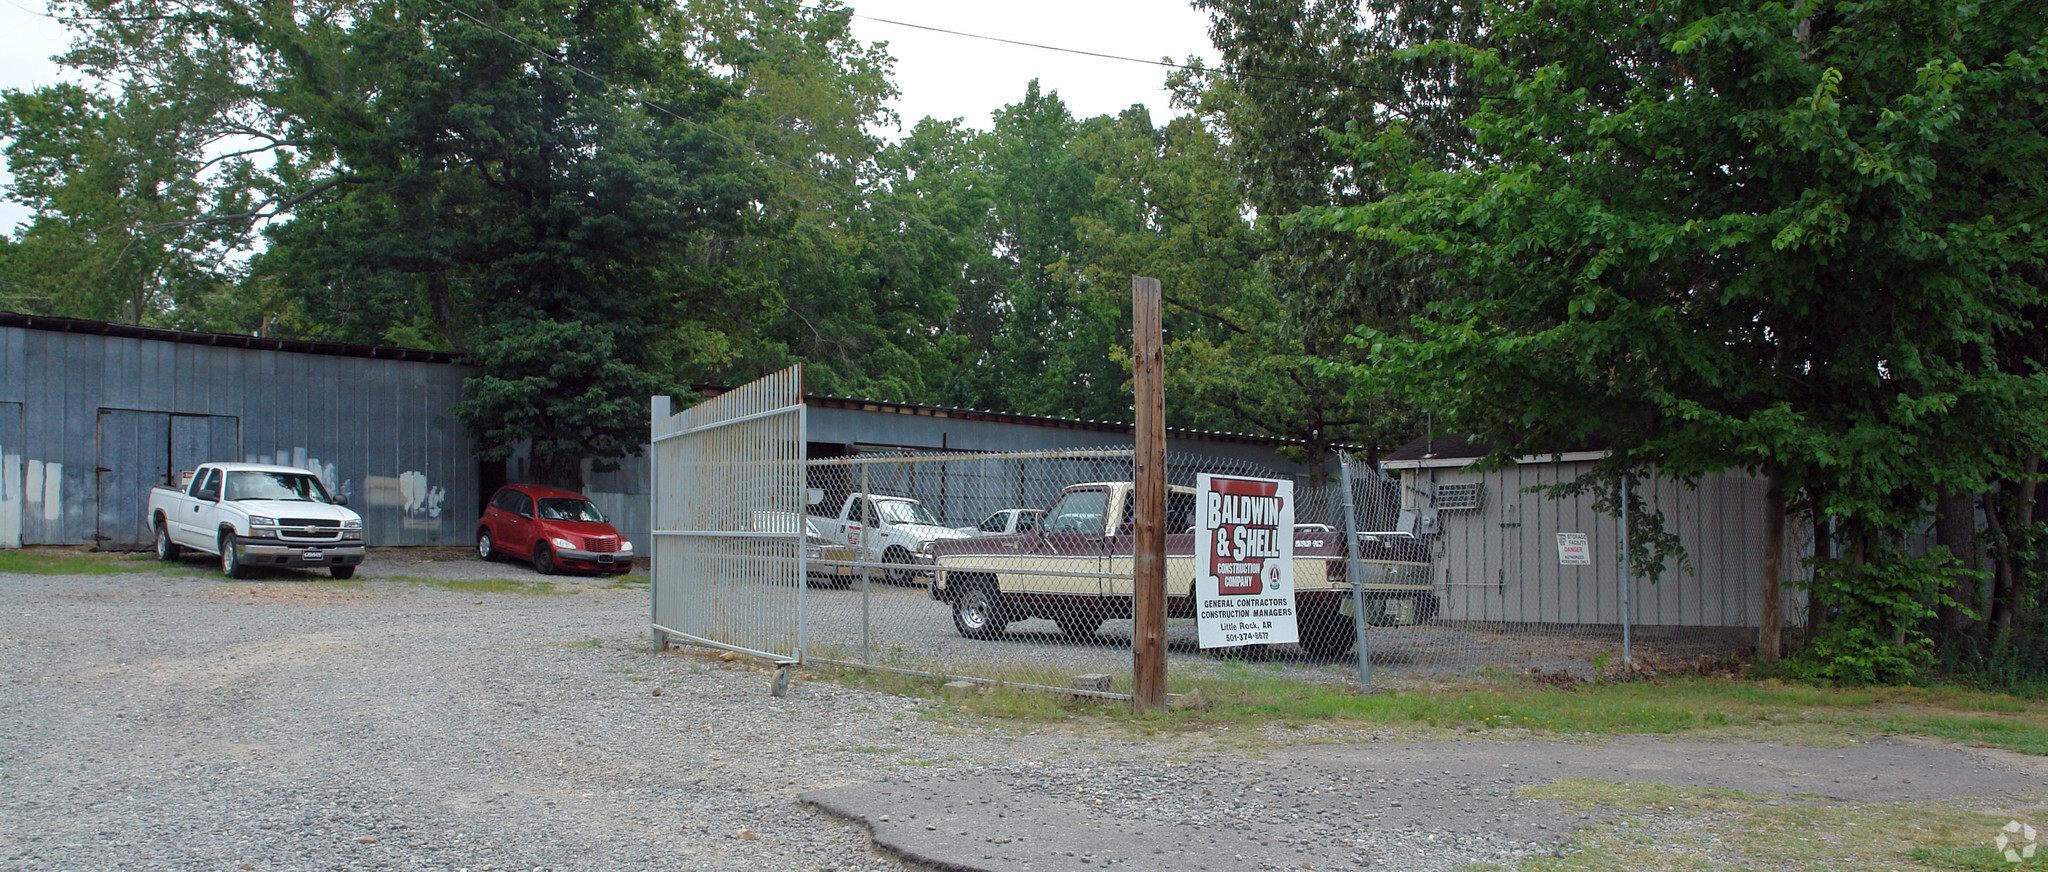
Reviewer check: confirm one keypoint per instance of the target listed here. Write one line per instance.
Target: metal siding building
(1496, 548)
(92, 415)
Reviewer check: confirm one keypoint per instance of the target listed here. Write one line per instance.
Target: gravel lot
(171, 719)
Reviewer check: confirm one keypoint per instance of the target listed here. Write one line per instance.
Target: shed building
(92, 415)
(1500, 549)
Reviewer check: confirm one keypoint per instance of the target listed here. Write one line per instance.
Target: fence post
(1627, 577)
(659, 408)
(1355, 571)
(867, 573)
(1148, 564)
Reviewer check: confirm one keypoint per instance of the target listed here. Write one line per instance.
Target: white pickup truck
(886, 529)
(252, 514)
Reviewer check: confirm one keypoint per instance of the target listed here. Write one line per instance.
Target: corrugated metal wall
(1499, 562)
(89, 422)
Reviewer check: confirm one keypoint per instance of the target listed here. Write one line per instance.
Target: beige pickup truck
(1075, 570)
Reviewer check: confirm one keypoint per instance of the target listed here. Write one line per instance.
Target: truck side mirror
(341, 499)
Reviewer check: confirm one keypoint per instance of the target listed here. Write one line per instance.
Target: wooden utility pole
(1770, 623)
(1148, 568)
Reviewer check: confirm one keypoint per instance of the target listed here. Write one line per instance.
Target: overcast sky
(940, 75)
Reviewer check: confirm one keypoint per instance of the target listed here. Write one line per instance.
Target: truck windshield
(287, 486)
(905, 512)
(1079, 512)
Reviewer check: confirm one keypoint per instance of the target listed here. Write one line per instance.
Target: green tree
(1798, 241)
(117, 185)
(539, 187)
(1291, 72)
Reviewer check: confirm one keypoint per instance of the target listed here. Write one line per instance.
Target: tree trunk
(2006, 584)
(1955, 528)
(1823, 548)
(1771, 622)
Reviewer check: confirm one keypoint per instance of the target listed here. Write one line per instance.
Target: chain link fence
(1017, 568)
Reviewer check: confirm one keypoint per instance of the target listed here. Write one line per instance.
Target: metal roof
(1440, 450)
(819, 401)
(223, 340)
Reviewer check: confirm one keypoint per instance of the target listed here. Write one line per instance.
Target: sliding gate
(721, 576)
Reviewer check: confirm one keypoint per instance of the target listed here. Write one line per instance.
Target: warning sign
(1244, 561)
(1572, 549)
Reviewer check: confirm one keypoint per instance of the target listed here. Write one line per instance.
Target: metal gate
(140, 450)
(728, 496)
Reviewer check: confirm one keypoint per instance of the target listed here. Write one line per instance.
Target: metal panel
(197, 439)
(134, 448)
(10, 472)
(717, 580)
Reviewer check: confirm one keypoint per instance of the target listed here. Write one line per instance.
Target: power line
(1082, 52)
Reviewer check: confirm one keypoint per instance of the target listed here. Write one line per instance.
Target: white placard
(1573, 550)
(1244, 561)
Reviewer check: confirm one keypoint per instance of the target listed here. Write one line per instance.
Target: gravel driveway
(171, 719)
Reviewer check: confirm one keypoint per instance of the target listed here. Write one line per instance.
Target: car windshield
(905, 512)
(567, 509)
(288, 486)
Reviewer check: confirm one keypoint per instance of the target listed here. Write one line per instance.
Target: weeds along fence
(1017, 568)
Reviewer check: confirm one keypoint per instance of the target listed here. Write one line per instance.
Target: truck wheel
(230, 560)
(978, 610)
(342, 572)
(897, 554)
(1078, 627)
(485, 548)
(165, 548)
(1327, 635)
(543, 559)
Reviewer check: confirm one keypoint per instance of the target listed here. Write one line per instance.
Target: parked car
(828, 561)
(1005, 522)
(554, 528)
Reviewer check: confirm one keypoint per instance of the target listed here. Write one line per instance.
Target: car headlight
(924, 547)
(355, 524)
(261, 521)
(560, 542)
(625, 544)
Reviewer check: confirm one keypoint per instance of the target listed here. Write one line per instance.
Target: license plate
(604, 558)
(312, 555)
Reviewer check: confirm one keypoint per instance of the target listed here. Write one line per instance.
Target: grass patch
(1253, 696)
(1739, 831)
(489, 585)
(36, 561)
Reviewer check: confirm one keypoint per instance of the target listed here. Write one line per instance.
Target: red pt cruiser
(555, 528)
